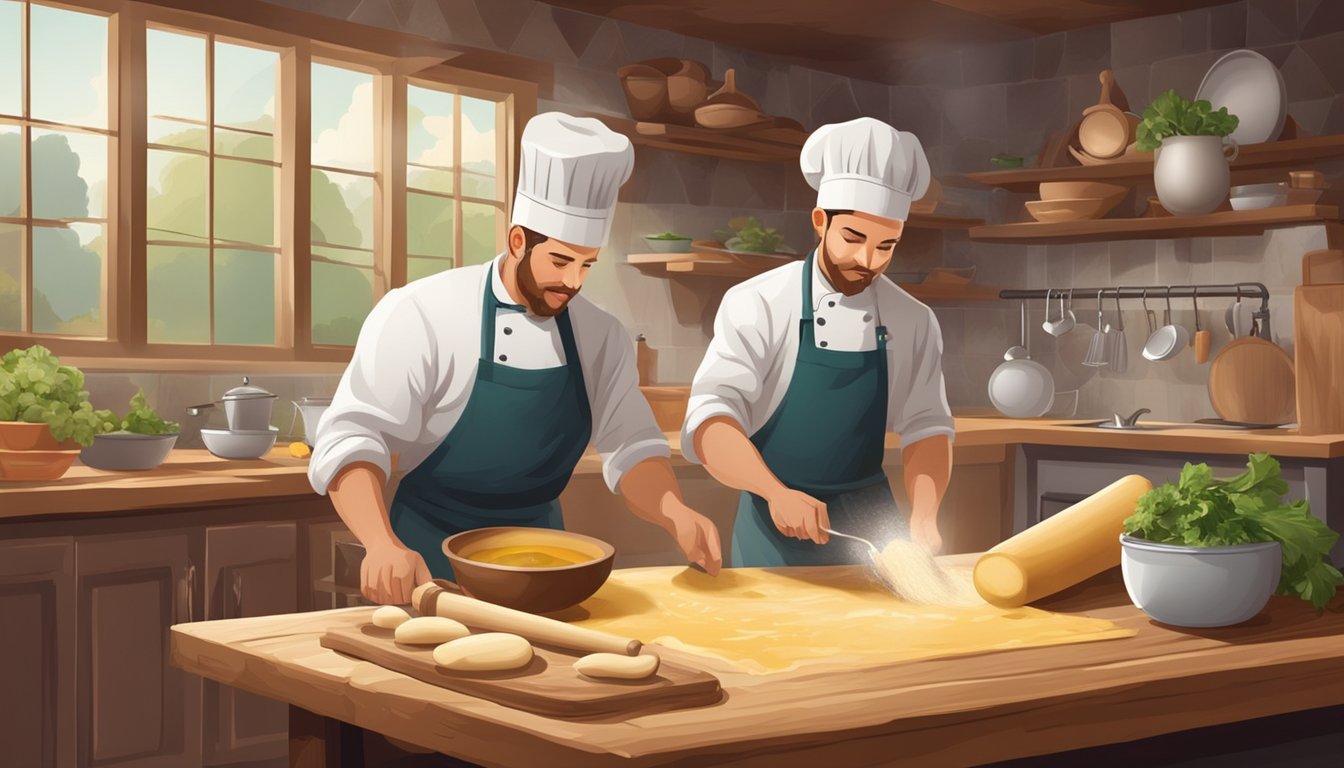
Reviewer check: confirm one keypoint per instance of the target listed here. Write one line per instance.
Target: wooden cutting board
(1318, 339)
(548, 686)
(1252, 380)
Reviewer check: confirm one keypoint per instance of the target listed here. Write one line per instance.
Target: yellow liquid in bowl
(531, 556)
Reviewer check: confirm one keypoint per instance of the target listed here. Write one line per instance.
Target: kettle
(311, 409)
(247, 408)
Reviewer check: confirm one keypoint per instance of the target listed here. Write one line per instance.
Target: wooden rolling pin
(1061, 550)
(432, 599)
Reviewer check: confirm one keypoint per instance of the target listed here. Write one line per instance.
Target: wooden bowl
(646, 88)
(686, 90)
(1069, 210)
(35, 464)
(1079, 190)
(727, 116)
(535, 590)
(29, 436)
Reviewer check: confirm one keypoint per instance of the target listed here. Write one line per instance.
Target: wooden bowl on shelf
(1069, 210)
(646, 88)
(1078, 190)
(686, 90)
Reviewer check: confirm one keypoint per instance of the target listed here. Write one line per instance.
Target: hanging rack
(1249, 290)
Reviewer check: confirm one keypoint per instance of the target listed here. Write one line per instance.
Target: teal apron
(825, 439)
(508, 457)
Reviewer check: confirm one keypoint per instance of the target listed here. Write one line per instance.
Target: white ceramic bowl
(1199, 586)
(1250, 196)
(239, 444)
(127, 451)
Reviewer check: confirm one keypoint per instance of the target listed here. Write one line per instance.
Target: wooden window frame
(397, 61)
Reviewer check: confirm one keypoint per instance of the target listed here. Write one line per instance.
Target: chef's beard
(534, 293)
(850, 281)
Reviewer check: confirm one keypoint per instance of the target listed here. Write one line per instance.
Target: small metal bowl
(1199, 586)
(535, 590)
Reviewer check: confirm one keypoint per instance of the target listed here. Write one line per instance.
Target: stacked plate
(1075, 200)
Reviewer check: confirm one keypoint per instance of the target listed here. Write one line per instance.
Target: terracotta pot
(35, 464)
(27, 436)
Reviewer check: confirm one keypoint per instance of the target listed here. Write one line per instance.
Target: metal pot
(247, 408)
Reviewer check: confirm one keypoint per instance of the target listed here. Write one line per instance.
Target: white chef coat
(750, 361)
(414, 367)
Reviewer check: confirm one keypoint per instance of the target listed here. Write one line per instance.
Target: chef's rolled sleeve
(731, 376)
(924, 411)
(379, 405)
(624, 430)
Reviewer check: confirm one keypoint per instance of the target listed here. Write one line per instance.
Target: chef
(490, 381)
(812, 364)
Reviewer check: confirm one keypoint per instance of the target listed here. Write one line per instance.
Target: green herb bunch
(1171, 115)
(748, 235)
(142, 420)
(667, 236)
(36, 388)
(1200, 511)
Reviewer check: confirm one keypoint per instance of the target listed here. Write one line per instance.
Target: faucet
(1132, 422)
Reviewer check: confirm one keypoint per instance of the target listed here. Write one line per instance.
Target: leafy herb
(748, 235)
(142, 420)
(36, 388)
(666, 236)
(1201, 511)
(1005, 160)
(1172, 115)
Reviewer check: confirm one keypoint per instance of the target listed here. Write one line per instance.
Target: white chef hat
(865, 165)
(571, 170)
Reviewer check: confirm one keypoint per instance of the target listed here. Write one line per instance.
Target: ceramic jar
(1191, 173)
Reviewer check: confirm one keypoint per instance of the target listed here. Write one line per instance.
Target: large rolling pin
(1062, 550)
(431, 599)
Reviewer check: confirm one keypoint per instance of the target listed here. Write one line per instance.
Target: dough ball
(486, 652)
(390, 617)
(614, 665)
(430, 630)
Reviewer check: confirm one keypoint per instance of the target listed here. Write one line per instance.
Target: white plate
(1252, 88)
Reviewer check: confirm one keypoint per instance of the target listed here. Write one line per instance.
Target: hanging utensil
(1066, 319)
(1149, 314)
(1239, 317)
(1119, 352)
(1201, 335)
(1022, 388)
(1019, 351)
(1167, 341)
(1096, 351)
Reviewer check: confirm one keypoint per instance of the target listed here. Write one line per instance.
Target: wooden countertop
(195, 477)
(951, 711)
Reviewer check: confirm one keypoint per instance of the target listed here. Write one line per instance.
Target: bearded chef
(813, 363)
(490, 381)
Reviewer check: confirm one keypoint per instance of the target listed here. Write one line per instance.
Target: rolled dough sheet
(765, 621)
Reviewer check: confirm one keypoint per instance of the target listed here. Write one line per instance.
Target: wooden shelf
(734, 144)
(1288, 154)
(1223, 223)
(694, 264)
(937, 221)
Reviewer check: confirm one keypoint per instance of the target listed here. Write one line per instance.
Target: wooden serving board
(548, 686)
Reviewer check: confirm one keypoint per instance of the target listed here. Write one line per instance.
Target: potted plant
(1193, 150)
(1209, 553)
(142, 441)
(45, 415)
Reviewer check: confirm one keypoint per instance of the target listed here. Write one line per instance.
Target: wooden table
(952, 711)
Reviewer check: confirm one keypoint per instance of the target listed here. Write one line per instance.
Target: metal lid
(246, 392)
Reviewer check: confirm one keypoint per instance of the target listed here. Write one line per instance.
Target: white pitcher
(1191, 173)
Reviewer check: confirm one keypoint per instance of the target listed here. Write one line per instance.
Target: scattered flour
(909, 571)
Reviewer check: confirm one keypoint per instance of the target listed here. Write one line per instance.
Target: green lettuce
(36, 388)
(1172, 115)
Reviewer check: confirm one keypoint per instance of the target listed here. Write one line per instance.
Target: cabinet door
(134, 707)
(37, 652)
(250, 570)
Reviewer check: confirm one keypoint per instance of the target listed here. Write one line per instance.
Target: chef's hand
(798, 515)
(698, 538)
(924, 531)
(390, 573)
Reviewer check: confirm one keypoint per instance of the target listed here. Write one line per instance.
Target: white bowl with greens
(668, 242)
(143, 441)
(1209, 553)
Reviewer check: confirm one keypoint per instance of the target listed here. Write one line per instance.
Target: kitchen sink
(1108, 424)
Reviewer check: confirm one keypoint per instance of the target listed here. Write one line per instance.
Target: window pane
(69, 175)
(11, 58)
(244, 202)
(244, 144)
(11, 165)
(342, 118)
(478, 147)
(179, 295)
(11, 277)
(244, 297)
(482, 233)
(342, 209)
(429, 226)
(68, 279)
(429, 127)
(342, 295)
(418, 268)
(245, 87)
(176, 199)
(175, 88)
(68, 66)
(430, 180)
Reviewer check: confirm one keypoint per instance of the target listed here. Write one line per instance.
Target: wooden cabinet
(135, 708)
(37, 652)
(250, 570)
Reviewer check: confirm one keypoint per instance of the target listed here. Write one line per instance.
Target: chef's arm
(927, 466)
(732, 459)
(390, 571)
(651, 492)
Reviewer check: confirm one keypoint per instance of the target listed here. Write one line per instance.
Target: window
(212, 170)
(55, 140)
(455, 201)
